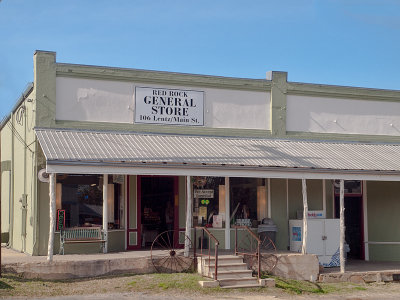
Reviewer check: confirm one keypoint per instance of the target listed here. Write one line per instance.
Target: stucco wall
(6, 148)
(22, 149)
(345, 116)
(112, 101)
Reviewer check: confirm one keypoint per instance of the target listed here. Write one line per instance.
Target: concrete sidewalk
(139, 262)
(76, 265)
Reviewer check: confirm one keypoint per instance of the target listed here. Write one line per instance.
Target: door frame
(138, 228)
(360, 199)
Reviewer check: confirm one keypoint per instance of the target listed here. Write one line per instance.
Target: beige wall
(6, 148)
(346, 116)
(114, 102)
(22, 156)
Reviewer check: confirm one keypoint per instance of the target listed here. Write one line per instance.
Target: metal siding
(89, 146)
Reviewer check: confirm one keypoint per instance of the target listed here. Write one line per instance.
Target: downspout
(11, 203)
(24, 215)
(34, 201)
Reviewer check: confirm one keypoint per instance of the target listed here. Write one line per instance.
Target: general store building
(235, 148)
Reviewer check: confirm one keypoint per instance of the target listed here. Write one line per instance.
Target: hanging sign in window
(60, 219)
(197, 193)
(168, 106)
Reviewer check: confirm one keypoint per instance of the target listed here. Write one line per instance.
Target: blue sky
(341, 42)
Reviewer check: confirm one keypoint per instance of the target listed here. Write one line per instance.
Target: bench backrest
(82, 233)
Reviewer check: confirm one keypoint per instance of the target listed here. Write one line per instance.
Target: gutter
(217, 166)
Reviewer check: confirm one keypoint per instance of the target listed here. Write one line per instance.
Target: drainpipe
(34, 202)
(25, 196)
(11, 203)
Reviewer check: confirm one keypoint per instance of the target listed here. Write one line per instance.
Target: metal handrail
(211, 236)
(257, 254)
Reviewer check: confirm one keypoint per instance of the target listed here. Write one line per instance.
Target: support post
(227, 215)
(365, 217)
(342, 228)
(305, 217)
(269, 198)
(189, 210)
(52, 192)
(105, 212)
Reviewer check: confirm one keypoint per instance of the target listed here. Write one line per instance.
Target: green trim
(45, 88)
(334, 91)
(158, 77)
(342, 137)
(6, 165)
(278, 103)
(163, 129)
(5, 237)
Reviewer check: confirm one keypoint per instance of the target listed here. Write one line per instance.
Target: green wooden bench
(77, 235)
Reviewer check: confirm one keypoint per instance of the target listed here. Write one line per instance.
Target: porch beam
(105, 212)
(217, 171)
(305, 217)
(342, 228)
(189, 210)
(52, 215)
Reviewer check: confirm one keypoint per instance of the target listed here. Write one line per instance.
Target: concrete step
(238, 281)
(233, 274)
(226, 267)
(224, 259)
(241, 286)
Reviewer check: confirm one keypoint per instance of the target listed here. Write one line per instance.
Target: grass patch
(175, 281)
(171, 284)
(302, 287)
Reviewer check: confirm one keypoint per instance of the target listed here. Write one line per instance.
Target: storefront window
(243, 197)
(208, 201)
(81, 197)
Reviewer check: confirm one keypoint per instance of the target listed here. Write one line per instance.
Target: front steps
(232, 271)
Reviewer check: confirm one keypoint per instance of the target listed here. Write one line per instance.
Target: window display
(208, 201)
(81, 197)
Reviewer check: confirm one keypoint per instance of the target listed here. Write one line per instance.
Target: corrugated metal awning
(129, 153)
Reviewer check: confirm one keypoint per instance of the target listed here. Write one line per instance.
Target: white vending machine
(323, 239)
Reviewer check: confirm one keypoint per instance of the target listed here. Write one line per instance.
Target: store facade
(129, 148)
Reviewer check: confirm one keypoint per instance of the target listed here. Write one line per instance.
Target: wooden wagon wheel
(268, 258)
(166, 257)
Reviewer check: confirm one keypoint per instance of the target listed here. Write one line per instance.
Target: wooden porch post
(189, 210)
(305, 217)
(227, 215)
(342, 228)
(105, 212)
(52, 214)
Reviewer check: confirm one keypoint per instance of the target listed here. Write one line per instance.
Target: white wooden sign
(203, 193)
(169, 106)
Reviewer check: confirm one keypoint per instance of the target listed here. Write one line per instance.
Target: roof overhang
(92, 152)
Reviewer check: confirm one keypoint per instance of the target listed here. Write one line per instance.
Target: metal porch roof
(61, 146)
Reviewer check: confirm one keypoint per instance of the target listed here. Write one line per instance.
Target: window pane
(82, 200)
